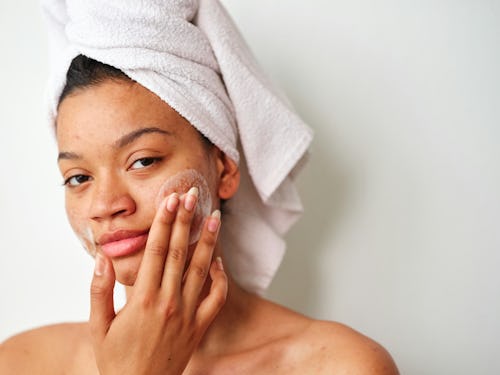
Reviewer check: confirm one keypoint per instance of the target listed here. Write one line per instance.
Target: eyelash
(152, 160)
(67, 181)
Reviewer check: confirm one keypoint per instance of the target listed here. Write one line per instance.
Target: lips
(122, 242)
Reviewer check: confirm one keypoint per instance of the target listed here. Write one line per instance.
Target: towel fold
(192, 56)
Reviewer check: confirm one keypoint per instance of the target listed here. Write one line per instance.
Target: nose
(110, 199)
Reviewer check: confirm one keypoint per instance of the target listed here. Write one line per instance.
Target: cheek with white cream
(180, 183)
(88, 240)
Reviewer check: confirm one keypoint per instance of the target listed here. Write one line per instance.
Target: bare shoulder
(51, 349)
(336, 348)
(297, 344)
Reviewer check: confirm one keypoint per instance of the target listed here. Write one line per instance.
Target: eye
(144, 162)
(76, 180)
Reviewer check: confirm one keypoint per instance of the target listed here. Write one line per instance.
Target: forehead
(106, 111)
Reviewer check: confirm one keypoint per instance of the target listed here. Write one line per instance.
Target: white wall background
(401, 235)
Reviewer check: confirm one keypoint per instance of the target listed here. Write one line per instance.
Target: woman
(148, 148)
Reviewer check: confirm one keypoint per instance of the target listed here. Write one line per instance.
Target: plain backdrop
(400, 238)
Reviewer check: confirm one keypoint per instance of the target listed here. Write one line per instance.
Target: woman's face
(120, 149)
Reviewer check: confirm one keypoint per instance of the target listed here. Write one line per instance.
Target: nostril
(118, 213)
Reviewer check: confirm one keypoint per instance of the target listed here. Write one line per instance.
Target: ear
(229, 176)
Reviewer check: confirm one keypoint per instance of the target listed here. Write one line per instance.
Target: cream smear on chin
(180, 183)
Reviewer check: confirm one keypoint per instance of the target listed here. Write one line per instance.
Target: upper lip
(119, 235)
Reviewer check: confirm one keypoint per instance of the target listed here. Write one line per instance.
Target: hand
(166, 316)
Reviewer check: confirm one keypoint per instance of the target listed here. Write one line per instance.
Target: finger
(212, 304)
(199, 266)
(102, 311)
(153, 263)
(178, 246)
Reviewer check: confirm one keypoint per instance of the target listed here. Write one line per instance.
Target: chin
(126, 268)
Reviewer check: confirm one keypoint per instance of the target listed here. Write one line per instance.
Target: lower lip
(125, 247)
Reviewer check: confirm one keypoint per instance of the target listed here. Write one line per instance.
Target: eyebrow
(121, 142)
(68, 156)
(132, 136)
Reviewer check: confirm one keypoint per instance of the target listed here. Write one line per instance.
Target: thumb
(102, 311)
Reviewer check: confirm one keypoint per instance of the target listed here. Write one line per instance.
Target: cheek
(181, 183)
(76, 220)
(82, 229)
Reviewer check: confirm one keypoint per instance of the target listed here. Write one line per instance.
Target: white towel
(192, 56)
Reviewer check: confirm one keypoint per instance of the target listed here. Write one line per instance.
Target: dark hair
(85, 71)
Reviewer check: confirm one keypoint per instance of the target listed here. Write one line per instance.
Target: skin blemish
(181, 183)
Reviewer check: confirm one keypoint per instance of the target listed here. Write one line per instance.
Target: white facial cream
(88, 241)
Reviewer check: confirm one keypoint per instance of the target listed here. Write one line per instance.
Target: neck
(224, 331)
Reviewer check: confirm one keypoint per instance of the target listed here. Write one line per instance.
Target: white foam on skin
(180, 183)
(88, 240)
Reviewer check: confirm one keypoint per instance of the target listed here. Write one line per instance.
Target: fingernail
(220, 266)
(172, 202)
(190, 200)
(99, 265)
(214, 221)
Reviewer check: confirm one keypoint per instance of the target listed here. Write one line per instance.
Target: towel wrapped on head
(192, 56)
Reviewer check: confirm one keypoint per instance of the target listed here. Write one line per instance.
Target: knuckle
(169, 308)
(184, 217)
(156, 249)
(146, 301)
(176, 253)
(98, 290)
(167, 217)
(209, 239)
(199, 271)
